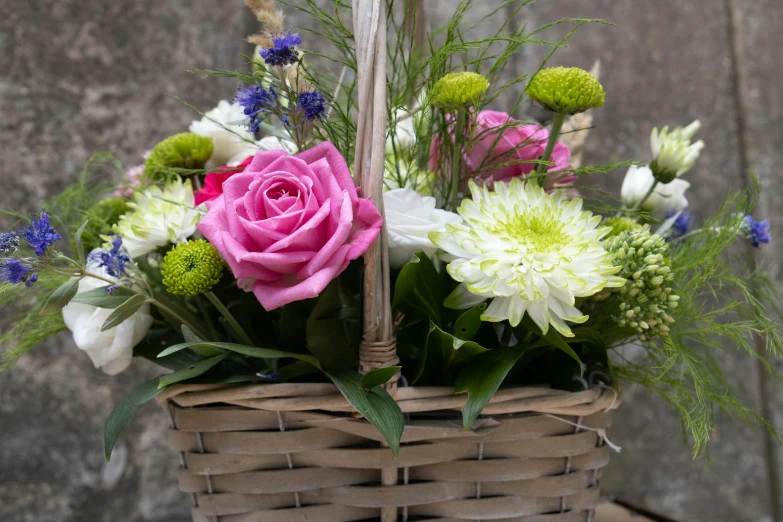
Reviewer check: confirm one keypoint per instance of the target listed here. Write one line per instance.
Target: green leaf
(469, 322)
(191, 337)
(482, 378)
(123, 412)
(250, 351)
(103, 299)
(446, 354)
(552, 338)
(77, 240)
(61, 297)
(379, 376)
(191, 371)
(376, 405)
(327, 332)
(124, 311)
(418, 292)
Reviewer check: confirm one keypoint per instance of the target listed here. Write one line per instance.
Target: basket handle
(378, 346)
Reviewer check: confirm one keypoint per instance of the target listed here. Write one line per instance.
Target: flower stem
(456, 158)
(557, 126)
(646, 196)
(230, 318)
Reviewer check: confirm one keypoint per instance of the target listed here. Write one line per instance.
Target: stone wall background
(79, 76)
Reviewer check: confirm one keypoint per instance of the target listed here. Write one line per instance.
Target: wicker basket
(294, 452)
(297, 452)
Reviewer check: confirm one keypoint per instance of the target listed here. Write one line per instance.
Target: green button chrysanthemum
(566, 90)
(459, 90)
(191, 268)
(180, 151)
(621, 224)
(644, 302)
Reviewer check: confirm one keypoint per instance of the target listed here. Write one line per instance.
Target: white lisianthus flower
(673, 153)
(530, 252)
(111, 350)
(399, 173)
(409, 220)
(218, 124)
(667, 197)
(403, 135)
(158, 217)
(267, 143)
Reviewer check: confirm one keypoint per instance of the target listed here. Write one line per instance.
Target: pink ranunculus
(213, 182)
(287, 225)
(505, 148)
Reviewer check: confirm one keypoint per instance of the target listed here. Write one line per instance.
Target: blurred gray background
(80, 76)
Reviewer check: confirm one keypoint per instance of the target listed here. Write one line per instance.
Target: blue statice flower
(757, 232)
(113, 259)
(256, 103)
(9, 243)
(40, 234)
(283, 50)
(313, 104)
(681, 224)
(14, 271)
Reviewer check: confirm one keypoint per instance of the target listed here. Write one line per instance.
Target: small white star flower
(531, 252)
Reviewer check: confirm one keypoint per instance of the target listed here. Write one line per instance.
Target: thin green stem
(230, 318)
(557, 126)
(154, 302)
(456, 158)
(646, 196)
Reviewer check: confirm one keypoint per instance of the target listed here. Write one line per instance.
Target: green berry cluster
(621, 224)
(185, 150)
(643, 303)
(191, 268)
(567, 90)
(459, 90)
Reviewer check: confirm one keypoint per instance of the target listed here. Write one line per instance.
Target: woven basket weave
(293, 452)
(298, 452)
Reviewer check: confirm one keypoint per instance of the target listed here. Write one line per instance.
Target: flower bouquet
(359, 272)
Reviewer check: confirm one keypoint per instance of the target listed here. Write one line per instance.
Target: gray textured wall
(78, 76)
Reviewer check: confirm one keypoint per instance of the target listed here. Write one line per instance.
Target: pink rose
(213, 182)
(504, 148)
(288, 225)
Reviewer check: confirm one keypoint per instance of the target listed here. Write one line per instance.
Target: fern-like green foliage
(724, 306)
(100, 218)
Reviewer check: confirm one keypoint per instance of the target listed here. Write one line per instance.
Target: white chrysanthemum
(528, 250)
(673, 152)
(158, 217)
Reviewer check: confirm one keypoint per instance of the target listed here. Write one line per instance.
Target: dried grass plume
(271, 19)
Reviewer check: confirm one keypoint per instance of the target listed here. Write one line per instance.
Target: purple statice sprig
(113, 260)
(15, 271)
(313, 104)
(283, 50)
(681, 224)
(257, 103)
(757, 232)
(40, 234)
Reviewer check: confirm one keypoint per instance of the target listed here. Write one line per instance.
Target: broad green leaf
(418, 292)
(412, 349)
(124, 311)
(191, 371)
(250, 351)
(552, 338)
(446, 354)
(379, 376)
(191, 337)
(77, 240)
(123, 412)
(158, 338)
(103, 299)
(482, 378)
(376, 405)
(61, 297)
(328, 333)
(469, 322)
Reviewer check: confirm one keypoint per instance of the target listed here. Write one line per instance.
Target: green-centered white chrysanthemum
(673, 153)
(528, 251)
(158, 217)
